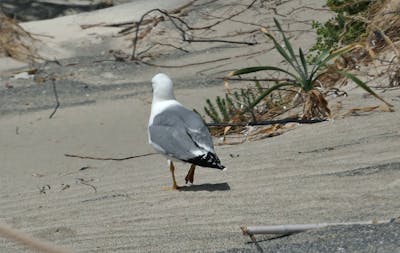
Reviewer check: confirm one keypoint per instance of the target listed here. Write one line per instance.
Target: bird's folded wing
(181, 133)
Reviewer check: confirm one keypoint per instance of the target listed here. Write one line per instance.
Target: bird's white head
(162, 87)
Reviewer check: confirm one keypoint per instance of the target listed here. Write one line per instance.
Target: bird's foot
(172, 188)
(190, 175)
(189, 178)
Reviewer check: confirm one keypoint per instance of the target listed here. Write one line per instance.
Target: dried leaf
(271, 131)
(386, 108)
(356, 111)
(315, 106)
(15, 42)
(226, 129)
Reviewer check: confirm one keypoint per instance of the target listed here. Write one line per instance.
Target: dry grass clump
(15, 42)
(381, 31)
(384, 32)
(384, 23)
(315, 105)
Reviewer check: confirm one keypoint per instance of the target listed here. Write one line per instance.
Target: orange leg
(190, 176)
(172, 169)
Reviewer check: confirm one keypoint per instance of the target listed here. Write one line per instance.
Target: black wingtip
(207, 160)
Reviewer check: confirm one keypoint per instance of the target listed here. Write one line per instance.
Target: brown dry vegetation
(381, 39)
(384, 25)
(15, 42)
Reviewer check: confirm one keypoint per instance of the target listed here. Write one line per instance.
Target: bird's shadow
(206, 187)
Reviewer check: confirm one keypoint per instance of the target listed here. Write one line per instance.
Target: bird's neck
(160, 102)
(159, 99)
(158, 106)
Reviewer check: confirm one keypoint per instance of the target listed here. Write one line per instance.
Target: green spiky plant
(224, 109)
(302, 75)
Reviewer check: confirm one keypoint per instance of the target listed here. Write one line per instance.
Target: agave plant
(303, 75)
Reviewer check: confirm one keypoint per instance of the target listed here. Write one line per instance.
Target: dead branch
(185, 36)
(267, 122)
(56, 97)
(184, 65)
(238, 33)
(227, 18)
(109, 158)
(233, 20)
(296, 228)
(170, 45)
(203, 62)
(132, 24)
(223, 41)
(140, 53)
(258, 79)
(135, 39)
(31, 242)
(87, 26)
(307, 7)
(188, 38)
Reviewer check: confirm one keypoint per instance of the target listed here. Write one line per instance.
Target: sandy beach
(342, 170)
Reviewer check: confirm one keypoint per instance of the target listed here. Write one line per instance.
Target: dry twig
(267, 122)
(203, 62)
(108, 158)
(185, 36)
(53, 80)
(258, 79)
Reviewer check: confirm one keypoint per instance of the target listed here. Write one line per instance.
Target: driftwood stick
(108, 158)
(135, 39)
(267, 122)
(296, 228)
(32, 243)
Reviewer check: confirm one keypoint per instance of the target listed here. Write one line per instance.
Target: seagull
(177, 132)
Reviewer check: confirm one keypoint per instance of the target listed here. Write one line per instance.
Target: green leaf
(289, 49)
(363, 85)
(266, 93)
(231, 107)
(237, 99)
(284, 54)
(325, 57)
(303, 61)
(212, 112)
(261, 68)
(280, 49)
(222, 108)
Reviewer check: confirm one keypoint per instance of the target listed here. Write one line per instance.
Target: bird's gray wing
(180, 133)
